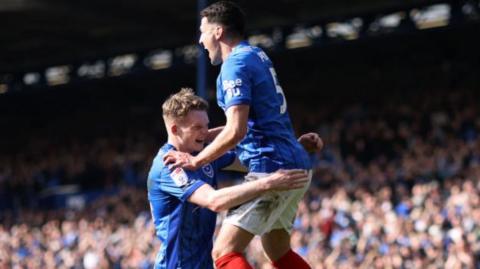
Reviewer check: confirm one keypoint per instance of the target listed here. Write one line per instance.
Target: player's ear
(174, 129)
(219, 32)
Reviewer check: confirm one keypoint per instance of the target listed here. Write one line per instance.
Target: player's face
(192, 131)
(209, 40)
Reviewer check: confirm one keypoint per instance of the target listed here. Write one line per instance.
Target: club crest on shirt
(208, 170)
(179, 177)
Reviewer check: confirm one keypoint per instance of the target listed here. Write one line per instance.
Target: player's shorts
(271, 211)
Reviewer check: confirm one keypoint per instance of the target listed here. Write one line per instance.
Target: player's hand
(286, 180)
(311, 142)
(174, 159)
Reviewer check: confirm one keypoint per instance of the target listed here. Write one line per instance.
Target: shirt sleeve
(179, 183)
(236, 83)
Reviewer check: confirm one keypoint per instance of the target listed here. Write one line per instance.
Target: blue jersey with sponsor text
(185, 229)
(247, 77)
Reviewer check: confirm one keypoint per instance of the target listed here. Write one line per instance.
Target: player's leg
(276, 245)
(229, 246)
(276, 242)
(238, 229)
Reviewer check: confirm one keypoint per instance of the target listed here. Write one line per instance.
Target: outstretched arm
(219, 200)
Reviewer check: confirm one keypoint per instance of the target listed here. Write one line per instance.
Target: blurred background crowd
(396, 186)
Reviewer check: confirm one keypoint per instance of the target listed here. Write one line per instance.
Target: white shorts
(271, 211)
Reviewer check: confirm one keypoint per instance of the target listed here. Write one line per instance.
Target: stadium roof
(42, 32)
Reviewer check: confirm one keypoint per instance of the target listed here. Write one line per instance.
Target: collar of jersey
(243, 43)
(169, 146)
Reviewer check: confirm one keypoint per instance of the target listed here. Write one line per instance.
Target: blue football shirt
(247, 77)
(185, 229)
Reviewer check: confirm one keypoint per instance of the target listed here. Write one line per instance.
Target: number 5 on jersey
(283, 107)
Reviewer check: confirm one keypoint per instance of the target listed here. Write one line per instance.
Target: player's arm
(229, 136)
(233, 132)
(310, 141)
(219, 200)
(213, 132)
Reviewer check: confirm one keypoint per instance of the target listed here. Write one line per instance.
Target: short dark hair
(228, 14)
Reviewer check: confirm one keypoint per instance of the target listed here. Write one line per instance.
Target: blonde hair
(178, 105)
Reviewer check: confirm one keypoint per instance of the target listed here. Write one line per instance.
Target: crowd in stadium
(113, 232)
(396, 186)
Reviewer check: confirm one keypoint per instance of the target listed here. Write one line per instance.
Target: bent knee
(223, 247)
(218, 251)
